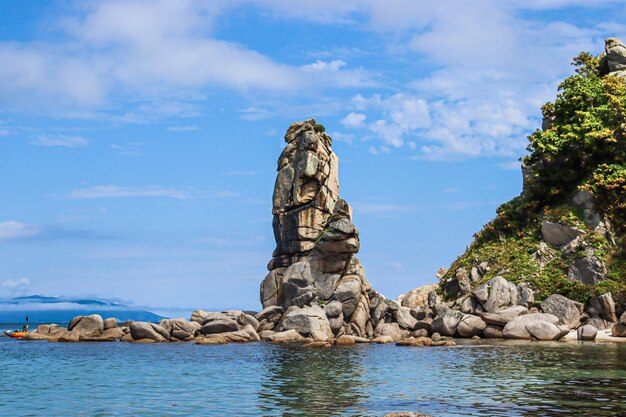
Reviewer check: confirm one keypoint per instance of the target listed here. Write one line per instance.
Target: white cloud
(147, 48)
(353, 120)
(112, 191)
(61, 141)
(321, 66)
(12, 230)
(14, 284)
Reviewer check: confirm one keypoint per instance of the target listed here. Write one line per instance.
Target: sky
(139, 138)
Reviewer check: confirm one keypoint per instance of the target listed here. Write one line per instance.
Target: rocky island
(550, 266)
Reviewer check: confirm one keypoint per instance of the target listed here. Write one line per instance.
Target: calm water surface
(258, 379)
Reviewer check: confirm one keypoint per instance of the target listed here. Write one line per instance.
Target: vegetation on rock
(580, 152)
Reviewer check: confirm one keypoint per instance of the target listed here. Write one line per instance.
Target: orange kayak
(15, 335)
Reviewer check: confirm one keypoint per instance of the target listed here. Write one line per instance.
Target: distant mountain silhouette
(44, 309)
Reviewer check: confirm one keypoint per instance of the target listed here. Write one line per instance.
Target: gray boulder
(496, 294)
(389, 329)
(447, 323)
(418, 297)
(143, 330)
(587, 332)
(307, 320)
(557, 234)
(220, 326)
(502, 317)
(542, 330)
(517, 328)
(471, 326)
(110, 323)
(566, 310)
(86, 325)
(618, 330)
(494, 332)
(405, 319)
(180, 329)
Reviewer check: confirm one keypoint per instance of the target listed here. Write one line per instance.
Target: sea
(475, 378)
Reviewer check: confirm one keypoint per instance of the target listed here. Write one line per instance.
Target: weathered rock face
(305, 193)
(313, 263)
(614, 60)
(566, 310)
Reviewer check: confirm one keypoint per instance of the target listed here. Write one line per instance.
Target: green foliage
(319, 128)
(583, 147)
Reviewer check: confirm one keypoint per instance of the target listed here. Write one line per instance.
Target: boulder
(496, 294)
(180, 328)
(110, 323)
(383, 339)
(87, 325)
(68, 337)
(219, 326)
(388, 329)
(557, 234)
(543, 330)
(587, 332)
(285, 336)
(622, 318)
(566, 310)
(109, 335)
(502, 317)
(140, 330)
(345, 341)
(615, 53)
(271, 313)
(607, 307)
(418, 297)
(405, 319)
(307, 320)
(247, 319)
(618, 330)
(470, 326)
(494, 332)
(517, 328)
(447, 323)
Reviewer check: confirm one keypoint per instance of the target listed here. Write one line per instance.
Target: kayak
(15, 335)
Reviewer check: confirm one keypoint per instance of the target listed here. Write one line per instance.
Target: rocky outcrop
(314, 263)
(614, 60)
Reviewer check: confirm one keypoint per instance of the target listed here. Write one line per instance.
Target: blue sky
(139, 138)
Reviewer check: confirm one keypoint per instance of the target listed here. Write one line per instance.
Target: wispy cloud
(12, 230)
(14, 284)
(127, 149)
(182, 128)
(113, 191)
(60, 141)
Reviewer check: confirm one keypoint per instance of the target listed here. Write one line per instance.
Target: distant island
(43, 309)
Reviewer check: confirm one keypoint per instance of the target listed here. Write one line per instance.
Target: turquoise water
(259, 379)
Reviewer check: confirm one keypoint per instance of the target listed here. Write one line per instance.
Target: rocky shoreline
(316, 292)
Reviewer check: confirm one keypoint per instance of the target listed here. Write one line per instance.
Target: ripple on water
(111, 379)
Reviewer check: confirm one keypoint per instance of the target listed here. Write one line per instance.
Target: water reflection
(312, 382)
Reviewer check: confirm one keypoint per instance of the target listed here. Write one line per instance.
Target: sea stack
(313, 267)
